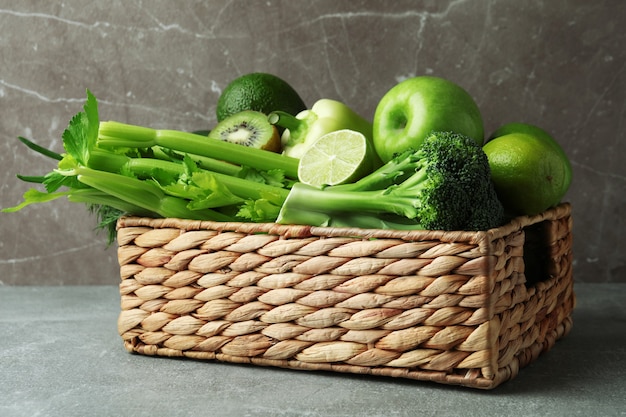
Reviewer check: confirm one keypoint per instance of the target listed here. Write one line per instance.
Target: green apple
(415, 107)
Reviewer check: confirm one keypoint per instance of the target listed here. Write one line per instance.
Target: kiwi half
(248, 128)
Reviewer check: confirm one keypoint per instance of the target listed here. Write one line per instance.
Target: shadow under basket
(460, 308)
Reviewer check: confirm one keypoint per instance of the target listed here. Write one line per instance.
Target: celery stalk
(121, 135)
(145, 195)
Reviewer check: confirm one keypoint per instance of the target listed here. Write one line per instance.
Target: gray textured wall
(555, 63)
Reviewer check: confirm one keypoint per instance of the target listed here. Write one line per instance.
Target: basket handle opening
(537, 252)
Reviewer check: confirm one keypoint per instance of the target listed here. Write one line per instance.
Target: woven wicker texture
(449, 307)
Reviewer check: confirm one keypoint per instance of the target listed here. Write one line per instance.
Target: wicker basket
(462, 308)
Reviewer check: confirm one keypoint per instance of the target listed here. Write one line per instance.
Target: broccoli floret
(461, 195)
(445, 185)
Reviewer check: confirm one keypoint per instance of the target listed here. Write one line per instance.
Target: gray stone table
(60, 355)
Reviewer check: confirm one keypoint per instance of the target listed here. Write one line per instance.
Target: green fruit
(414, 108)
(529, 174)
(260, 92)
(248, 128)
(532, 130)
(337, 157)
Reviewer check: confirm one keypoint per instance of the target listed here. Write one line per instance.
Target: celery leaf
(265, 209)
(82, 133)
(33, 196)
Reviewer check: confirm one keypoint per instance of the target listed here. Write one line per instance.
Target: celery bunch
(119, 169)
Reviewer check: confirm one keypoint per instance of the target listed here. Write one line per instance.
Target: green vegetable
(324, 117)
(114, 134)
(445, 185)
(118, 169)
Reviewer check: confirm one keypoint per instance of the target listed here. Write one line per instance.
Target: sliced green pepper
(308, 126)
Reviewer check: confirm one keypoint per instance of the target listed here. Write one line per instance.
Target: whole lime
(417, 106)
(258, 91)
(529, 174)
(536, 131)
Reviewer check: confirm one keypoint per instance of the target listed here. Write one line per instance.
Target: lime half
(338, 157)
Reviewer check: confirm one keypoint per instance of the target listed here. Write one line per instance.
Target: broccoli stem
(393, 172)
(116, 134)
(371, 221)
(310, 205)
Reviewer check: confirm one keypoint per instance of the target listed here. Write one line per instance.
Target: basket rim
(303, 231)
